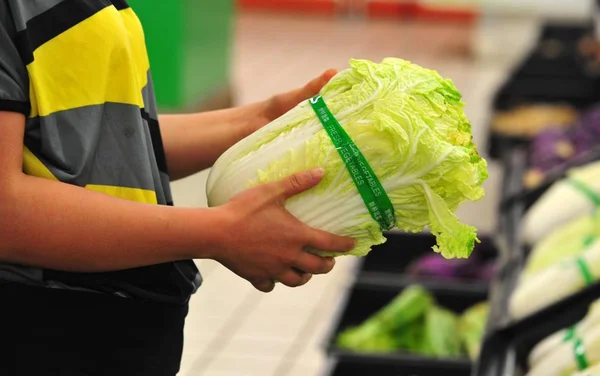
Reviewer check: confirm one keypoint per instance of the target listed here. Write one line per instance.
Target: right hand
(264, 243)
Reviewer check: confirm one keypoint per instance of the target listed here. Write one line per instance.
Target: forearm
(54, 225)
(193, 142)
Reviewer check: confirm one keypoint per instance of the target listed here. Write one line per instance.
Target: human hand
(279, 104)
(264, 243)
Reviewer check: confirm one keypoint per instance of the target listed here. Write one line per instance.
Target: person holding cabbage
(96, 267)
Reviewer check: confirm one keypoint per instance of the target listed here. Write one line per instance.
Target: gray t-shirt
(79, 72)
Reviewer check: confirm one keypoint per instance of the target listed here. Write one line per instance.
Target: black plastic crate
(500, 145)
(352, 367)
(519, 90)
(387, 263)
(564, 32)
(505, 352)
(364, 300)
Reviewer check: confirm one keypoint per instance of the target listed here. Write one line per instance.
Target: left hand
(282, 103)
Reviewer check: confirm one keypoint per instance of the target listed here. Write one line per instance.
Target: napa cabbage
(410, 125)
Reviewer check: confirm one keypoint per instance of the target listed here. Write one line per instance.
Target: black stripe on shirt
(53, 22)
(157, 143)
(120, 4)
(15, 106)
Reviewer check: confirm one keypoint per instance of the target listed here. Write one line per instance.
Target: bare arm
(55, 225)
(194, 142)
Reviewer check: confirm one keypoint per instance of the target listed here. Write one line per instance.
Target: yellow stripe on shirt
(34, 167)
(137, 44)
(90, 63)
(131, 194)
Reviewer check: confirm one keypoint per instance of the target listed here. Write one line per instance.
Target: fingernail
(317, 173)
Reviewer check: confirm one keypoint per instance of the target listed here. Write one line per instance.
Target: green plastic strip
(569, 334)
(376, 199)
(589, 240)
(587, 191)
(586, 273)
(580, 357)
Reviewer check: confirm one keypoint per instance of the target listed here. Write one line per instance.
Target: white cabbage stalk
(591, 371)
(567, 241)
(409, 124)
(553, 284)
(561, 203)
(543, 349)
(562, 360)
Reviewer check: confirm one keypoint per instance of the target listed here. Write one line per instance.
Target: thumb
(313, 87)
(300, 182)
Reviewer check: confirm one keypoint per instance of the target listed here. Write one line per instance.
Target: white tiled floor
(233, 330)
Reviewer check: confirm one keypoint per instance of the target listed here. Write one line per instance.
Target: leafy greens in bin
(414, 323)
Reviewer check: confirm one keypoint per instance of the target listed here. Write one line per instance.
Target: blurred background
(528, 71)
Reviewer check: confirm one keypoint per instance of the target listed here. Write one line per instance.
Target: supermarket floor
(234, 330)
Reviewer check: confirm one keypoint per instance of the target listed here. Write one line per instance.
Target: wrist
(210, 230)
(250, 114)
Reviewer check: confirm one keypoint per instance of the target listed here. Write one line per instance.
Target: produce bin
(509, 341)
(364, 300)
(362, 367)
(512, 345)
(554, 72)
(387, 263)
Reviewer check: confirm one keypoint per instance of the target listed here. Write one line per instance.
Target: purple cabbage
(436, 266)
(553, 147)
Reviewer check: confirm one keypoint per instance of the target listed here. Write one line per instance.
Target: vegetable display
(471, 269)
(568, 241)
(471, 328)
(529, 120)
(554, 147)
(414, 323)
(409, 124)
(571, 351)
(568, 199)
(566, 278)
(545, 348)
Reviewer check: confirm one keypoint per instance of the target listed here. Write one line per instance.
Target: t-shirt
(79, 71)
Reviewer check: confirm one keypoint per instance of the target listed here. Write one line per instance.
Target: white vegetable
(592, 371)
(561, 204)
(551, 343)
(562, 360)
(567, 241)
(553, 284)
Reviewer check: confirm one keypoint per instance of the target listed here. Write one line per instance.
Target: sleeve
(14, 80)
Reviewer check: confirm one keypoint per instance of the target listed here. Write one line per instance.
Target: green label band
(585, 271)
(580, 357)
(587, 191)
(569, 334)
(589, 240)
(376, 199)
